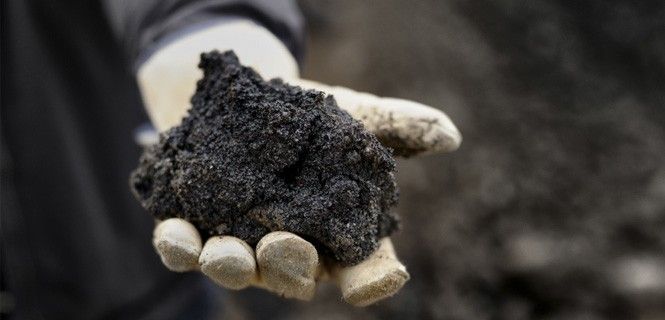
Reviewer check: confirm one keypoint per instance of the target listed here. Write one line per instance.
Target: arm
(167, 79)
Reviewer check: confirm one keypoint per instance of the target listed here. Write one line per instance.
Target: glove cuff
(167, 78)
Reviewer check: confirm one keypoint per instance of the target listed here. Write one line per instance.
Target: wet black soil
(255, 156)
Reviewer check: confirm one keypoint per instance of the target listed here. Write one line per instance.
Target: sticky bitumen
(254, 156)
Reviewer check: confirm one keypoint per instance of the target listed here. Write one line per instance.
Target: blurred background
(554, 206)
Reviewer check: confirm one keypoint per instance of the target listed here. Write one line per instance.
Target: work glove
(282, 262)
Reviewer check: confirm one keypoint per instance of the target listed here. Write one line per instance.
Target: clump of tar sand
(255, 156)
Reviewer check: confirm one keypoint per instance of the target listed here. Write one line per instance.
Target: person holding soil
(74, 242)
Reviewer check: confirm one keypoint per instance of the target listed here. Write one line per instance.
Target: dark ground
(554, 206)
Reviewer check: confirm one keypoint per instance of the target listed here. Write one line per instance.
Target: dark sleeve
(140, 24)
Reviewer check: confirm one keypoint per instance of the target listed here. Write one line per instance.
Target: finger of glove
(410, 128)
(378, 277)
(229, 262)
(288, 265)
(178, 244)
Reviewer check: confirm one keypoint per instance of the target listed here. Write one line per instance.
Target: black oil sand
(253, 157)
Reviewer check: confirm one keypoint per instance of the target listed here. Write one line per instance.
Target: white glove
(282, 262)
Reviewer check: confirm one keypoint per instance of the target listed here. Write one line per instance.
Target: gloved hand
(282, 262)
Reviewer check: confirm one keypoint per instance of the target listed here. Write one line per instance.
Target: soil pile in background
(554, 206)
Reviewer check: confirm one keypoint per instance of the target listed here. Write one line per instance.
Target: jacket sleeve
(140, 25)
